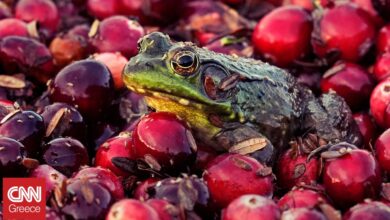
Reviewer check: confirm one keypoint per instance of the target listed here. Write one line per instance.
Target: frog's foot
(307, 143)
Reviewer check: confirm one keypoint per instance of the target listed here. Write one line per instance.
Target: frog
(234, 104)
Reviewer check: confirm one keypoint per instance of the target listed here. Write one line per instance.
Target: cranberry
(311, 80)
(272, 36)
(86, 84)
(303, 214)
(351, 177)
(204, 155)
(13, 27)
(379, 102)
(239, 175)
(301, 198)
(369, 211)
(383, 40)
(118, 34)
(351, 82)
(84, 200)
(115, 62)
(11, 158)
(43, 11)
(102, 9)
(5, 11)
(63, 120)
(51, 176)
(66, 49)
(131, 209)
(103, 177)
(251, 207)
(116, 147)
(6, 107)
(164, 209)
(66, 155)
(26, 127)
(293, 168)
(22, 54)
(345, 29)
(382, 67)
(382, 7)
(369, 7)
(141, 191)
(382, 149)
(52, 214)
(169, 151)
(99, 133)
(367, 128)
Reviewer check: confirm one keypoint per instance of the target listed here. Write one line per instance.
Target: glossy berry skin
(239, 175)
(116, 63)
(52, 177)
(6, 107)
(303, 214)
(383, 39)
(43, 11)
(22, 54)
(251, 206)
(351, 82)
(367, 128)
(13, 27)
(307, 4)
(66, 49)
(164, 209)
(272, 36)
(11, 156)
(204, 155)
(174, 150)
(26, 127)
(102, 9)
(351, 178)
(293, 169)
(345, 28)
(119, 146)
(382, 67)
(66, 155)
(301, 198)
(103, 177)
(370, 210)
(71, 124)
(131, 209)
(141, 190)
(86, 85)
(5, 11)
(382, 149)
(379, 103)
(86, 200)
(118, 34)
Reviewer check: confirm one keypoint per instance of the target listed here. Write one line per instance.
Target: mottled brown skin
(248, 99)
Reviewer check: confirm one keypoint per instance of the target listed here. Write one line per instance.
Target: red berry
(131, 209)
(346, 29)
(367, 128)
(12, 154)
(141, 191)
(301, 198)
(303, 214)
(116, 63)
(382, 149)
(273, 36)
(52, 177)
(86, 84)
(67, 49)
(102, 9)
(351, 82)
(116, 147)
(164, 142)
(43, 11)
(351, 177)
(5, 11)
(294, 169)
(236, 175)
(379, 102)
(204, 156)
(13, 27)
(103, 177)
(164, 209)
(251, 207)
(382, 7)
(368, 211)
(383, 40)
(382, 67)
(118, 34)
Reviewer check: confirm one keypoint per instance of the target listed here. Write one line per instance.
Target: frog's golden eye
(185, 63)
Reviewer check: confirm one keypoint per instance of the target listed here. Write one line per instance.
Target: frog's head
(174, 75)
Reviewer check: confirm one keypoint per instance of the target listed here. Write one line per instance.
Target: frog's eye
(185, 63)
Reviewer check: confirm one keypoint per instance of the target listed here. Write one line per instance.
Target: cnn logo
(24, 198)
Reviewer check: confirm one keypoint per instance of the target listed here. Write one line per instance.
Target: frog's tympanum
(231, 103)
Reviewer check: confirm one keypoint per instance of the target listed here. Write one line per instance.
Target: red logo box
(24, 198)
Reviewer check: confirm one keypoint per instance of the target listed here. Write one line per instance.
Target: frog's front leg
(245, 140)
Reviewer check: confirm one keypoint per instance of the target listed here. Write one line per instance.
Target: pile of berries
(66, 116)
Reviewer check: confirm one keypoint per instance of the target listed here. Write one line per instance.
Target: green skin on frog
(234, 104)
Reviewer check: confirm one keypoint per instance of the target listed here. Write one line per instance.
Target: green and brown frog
(231, 103)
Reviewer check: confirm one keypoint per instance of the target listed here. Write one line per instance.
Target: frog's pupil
(186, 61)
